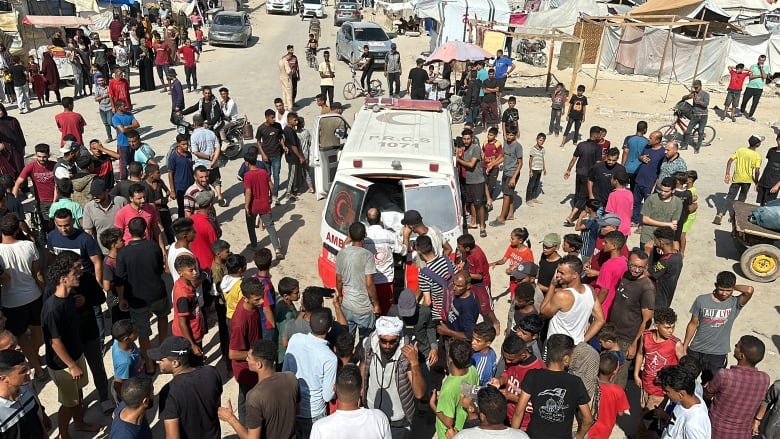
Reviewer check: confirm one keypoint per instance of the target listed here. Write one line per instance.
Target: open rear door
(344, 207)
(328, 137)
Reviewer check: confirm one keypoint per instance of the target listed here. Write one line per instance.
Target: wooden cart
(760, 247)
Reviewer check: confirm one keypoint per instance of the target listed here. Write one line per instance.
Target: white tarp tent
(453, 15)
(746, 8)
(566, 16)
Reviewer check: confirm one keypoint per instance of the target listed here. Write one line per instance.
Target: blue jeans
(364, 323)
(275, 165)
(105, 116)
(696, 121)
(243, 389)
(640, 195)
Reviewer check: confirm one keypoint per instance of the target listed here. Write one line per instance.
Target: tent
(453, 16)
(43, 21)
(745, 8)
(706, 10)
(565, 17)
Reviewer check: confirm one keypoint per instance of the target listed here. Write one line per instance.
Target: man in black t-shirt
(270, 139)
(418, 77)
(665, 267)
(296, 181)
(491, 87)
(189, 402)
(64, 348)
(578, 105)
(22, 89)
(600, 176)
(587, 154)
(555, 395)
(366, 64)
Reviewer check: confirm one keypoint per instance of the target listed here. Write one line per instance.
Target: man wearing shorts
(469, 158)
(503, 66)
(22, 294)
(64, 349)
(139, 266)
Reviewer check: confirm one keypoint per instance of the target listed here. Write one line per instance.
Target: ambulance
(397, 155)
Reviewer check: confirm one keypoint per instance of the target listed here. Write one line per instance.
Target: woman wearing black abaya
(146, 68)
(52, 75)
(11, 134)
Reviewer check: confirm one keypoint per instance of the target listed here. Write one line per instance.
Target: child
(198, 38)
(528, 329)
(621, 201)
(558, 98)
(304, 137)
(523, 304)
(111, 239)
(572, 244)
(517, 253)
(492, 156)
(102, 159)
(613, 401)
(548, 263)
(285, 311)
(518, 360)
(588, 226)
(537, 169)
(221, 250)
(231, 284)
(474, 260)
(609, 343)
(484, 358)
(510, 117)
(190, 323)
(603, 143)
(747, 165)
(680, 191)
(690, 179)
(263, 259)
(124, 354)
(450, 416)
(9, 86)
(658, 347)
(737, 79)
(578, 105)
(312, 45)
(38, 83)
(245, 330)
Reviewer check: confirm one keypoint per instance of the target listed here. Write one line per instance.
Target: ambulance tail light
(433, 167)
(357, 163)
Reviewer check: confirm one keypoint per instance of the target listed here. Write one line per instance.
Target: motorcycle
(531, 52)
(233, 143)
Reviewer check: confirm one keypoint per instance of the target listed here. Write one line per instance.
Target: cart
(760, 247)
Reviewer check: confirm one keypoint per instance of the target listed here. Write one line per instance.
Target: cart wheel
(761, 263)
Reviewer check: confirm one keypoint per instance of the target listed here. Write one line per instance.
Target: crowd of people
(368, 359)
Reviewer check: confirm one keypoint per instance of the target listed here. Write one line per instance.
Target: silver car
(352, 36)
(346, 11)
(231, 28)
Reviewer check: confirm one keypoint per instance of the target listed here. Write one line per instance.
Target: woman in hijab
(49, 71)
(170, 37)
(146, 68)
(11, 135)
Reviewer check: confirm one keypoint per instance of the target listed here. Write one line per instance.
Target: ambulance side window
(344, 206)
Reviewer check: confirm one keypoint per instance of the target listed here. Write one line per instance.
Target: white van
(397, 156)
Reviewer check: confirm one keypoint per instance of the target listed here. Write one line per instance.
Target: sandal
(279, 255)
(483, 233)
(568, 223)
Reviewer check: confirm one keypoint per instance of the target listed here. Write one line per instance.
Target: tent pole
(549, 65)
(598, 56)
(663, 56)
(577, 64)
(701, 51)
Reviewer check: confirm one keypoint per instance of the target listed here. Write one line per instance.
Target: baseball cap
(697, 83)
(755, 140)
(393, 46)
(170, 347)
(336, 106)
(411, 218)
(609, 219)
(407, 303)
(420, 61)
(524, 270)
(551, 240)
(204, 198)
(69, 146)
(97, 187)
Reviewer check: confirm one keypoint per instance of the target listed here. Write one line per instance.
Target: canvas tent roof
(41, 21)
(683, 8)
(452, 13)
(566, 16)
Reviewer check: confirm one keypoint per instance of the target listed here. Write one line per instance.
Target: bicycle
(676, 130)
(354, 89)
(311, 58)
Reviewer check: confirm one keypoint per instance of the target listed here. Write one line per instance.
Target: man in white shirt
(229, 111)
(383, 243)
(350, 420)
(690, 418)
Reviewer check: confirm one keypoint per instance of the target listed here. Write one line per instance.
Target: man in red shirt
(205, 231)
(139, 208)
(245, 330)
(119, 90)
(257, 201)
(70, 122)
(41, 172)
(162, 63)
(189, 56)
(479, 269)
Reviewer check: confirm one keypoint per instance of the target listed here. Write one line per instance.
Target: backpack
(447, 284)
(767, 216)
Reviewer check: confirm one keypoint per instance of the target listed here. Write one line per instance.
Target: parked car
(346, 11)
(231, 28)
(283, 6)
(313, 8)
(351, 38)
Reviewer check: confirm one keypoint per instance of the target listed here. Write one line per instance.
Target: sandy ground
(617, 104)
